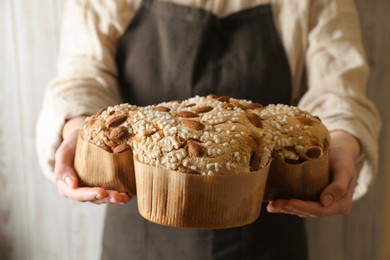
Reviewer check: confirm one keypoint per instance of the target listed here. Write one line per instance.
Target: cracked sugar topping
(208, 135)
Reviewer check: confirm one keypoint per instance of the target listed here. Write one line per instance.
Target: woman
(300, 52)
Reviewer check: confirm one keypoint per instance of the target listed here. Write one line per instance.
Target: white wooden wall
(36, 223)
(360, 234)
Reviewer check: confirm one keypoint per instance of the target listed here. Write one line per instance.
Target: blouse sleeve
(86, 79)
(337, 74)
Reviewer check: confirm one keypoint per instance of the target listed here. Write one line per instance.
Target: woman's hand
(66, 176)
(336, 199)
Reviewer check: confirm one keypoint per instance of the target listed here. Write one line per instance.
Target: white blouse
(321, 39)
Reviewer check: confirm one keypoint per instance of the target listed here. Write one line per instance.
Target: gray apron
(174, 52)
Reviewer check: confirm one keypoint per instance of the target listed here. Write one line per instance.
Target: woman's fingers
(114, 197)
(67, 180)
(95, 195)
(337, 197)
(340, 190)
(80, 193)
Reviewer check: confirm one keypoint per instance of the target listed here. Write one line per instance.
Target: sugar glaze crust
(209, 135)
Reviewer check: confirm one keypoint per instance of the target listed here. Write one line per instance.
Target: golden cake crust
(209, 135)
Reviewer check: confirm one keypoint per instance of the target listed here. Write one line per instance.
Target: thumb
(63, 169)
(343, 173)
(343, 150)
(67, 175)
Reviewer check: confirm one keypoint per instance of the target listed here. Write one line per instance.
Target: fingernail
(327, 200)
(69, 181)
(99, 196)
(112, 200)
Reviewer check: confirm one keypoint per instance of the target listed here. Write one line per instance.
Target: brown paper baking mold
(97, 168)
(198, 201)
(195, 201)
(303, 181)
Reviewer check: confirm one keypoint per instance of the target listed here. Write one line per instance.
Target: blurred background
(36, 223)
